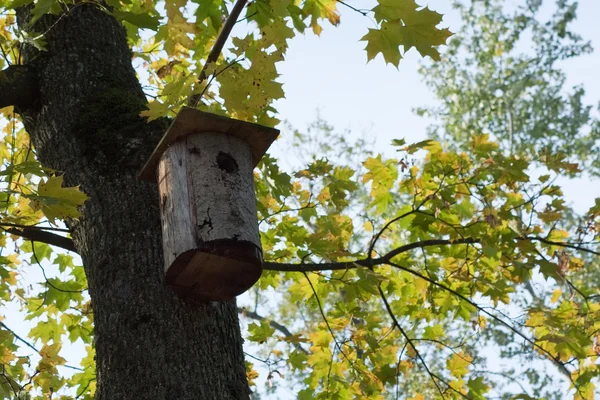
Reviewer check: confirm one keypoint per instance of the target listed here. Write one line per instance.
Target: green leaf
(424, 144)
(434, 332)
(211, 9)
(398, 142)
(403, 24)
(140, 20)
(19, 3)
(43, 7)
(477, 388)
(260, 333)
(384, 41)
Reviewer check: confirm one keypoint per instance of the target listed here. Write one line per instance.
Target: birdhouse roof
(191, 121)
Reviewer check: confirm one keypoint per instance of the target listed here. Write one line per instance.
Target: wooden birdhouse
(204, 169)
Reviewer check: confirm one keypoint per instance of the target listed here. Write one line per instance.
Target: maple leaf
(391, 10)
(402, 24)
(50, 358)
(56, 201)
(277, 33)
(423, 37)
(155, 110)
(321, 9)
(382, 41)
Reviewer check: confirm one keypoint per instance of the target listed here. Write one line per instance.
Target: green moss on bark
(106, 128)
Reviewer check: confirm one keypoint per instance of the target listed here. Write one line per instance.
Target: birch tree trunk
(83, 121)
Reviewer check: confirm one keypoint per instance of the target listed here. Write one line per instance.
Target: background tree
(390, 272)
(501, 76)
(506, 81)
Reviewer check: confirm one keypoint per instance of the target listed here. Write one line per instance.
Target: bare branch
(39, 235)
(366, 262)
(332, 266)
(561, 244)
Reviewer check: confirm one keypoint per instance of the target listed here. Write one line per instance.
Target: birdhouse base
(215, 274)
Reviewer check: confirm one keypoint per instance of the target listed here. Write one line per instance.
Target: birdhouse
(204, 169)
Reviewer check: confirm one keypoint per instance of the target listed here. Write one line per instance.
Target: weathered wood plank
(190, 121)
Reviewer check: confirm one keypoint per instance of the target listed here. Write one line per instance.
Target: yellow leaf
(458, 364)
(555, 295)
(404, 366)
(324, 196)
(155, 110)
(56, 201)
(50, 358)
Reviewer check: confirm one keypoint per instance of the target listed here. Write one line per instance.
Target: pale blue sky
(330, 72)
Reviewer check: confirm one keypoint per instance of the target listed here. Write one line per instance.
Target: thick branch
(38, 235)
(366, 262)
(372, 262)
(18, 86)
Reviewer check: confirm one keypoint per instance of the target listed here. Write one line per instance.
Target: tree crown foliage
(393, 273)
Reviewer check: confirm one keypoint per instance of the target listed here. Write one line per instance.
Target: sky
(330, 75)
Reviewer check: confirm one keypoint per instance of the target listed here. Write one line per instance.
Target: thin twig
(213, 76)
(358, 10)
(409, 341)
(19, 338)
(44, 273)
(85, 388)
(31, 346)
(481, 309)
(561, 244)
(322, 311)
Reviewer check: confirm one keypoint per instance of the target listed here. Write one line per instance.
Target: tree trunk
(149, 343)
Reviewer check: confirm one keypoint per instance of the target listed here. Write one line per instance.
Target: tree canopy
(384, 277)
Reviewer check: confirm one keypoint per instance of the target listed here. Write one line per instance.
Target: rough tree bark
(84, 122)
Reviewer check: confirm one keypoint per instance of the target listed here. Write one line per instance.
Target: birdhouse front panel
(220, 175)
